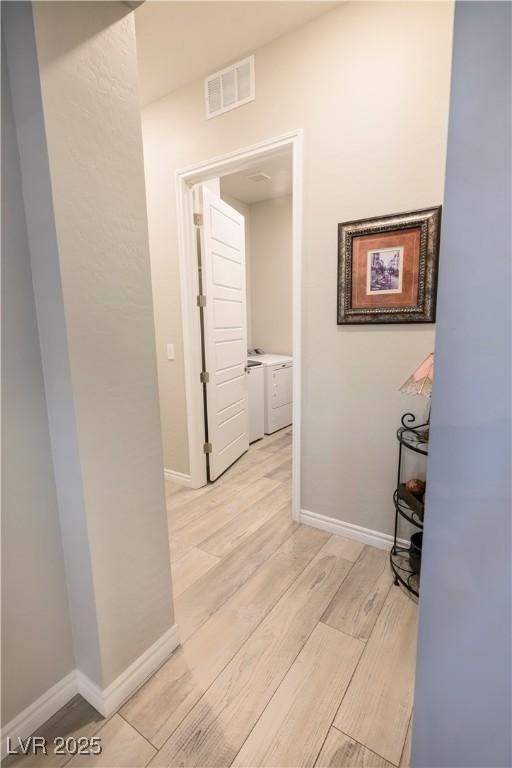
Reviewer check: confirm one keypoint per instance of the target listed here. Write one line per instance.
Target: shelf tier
(413, 437)
(404, 573)
(405, 511)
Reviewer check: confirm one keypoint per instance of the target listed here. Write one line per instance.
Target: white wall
(36, 633)
(271, 275)
(463, 700)
(368, 83)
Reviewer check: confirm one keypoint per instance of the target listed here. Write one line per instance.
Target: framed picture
(387, 268)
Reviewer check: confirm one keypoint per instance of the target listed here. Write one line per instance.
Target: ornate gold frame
(428, 220)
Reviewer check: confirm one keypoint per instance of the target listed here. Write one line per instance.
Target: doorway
(187, 181)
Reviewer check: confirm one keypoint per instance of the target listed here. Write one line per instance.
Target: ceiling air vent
(230, 88)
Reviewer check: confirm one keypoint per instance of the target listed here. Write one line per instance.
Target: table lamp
(420, 382)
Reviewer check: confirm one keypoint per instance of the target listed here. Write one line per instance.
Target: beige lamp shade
(420, 382)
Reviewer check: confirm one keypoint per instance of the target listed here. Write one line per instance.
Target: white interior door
(224, 331)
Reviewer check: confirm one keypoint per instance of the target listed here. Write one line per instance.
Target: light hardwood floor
(296, 648)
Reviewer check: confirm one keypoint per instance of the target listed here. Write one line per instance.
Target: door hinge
(207, 448)
(198, 219)
(204, 377)
(201, 300)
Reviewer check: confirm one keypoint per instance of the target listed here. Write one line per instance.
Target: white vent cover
(230, 88)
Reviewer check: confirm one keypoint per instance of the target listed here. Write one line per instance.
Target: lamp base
(424, 435)
(426, 432)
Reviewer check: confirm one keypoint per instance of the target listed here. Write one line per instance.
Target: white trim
(105, 701)
(37, 713)
(185, 179)
(297, 324)
(177, 477)
(191, 331)
(349, 530)
(90, 691)
(108, 700)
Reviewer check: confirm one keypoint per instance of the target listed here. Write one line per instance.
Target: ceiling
(241, 187)
(179, 42)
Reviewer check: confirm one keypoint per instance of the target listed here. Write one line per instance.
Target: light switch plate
(170, 352)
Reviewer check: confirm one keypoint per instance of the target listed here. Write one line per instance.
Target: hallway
(254, 622)
(296, 649)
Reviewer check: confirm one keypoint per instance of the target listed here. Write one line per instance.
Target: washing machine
(278, 398)
(256, 400)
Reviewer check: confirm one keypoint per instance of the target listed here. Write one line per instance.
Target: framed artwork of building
(387, 268)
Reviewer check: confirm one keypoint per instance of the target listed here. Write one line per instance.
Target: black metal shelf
(404, 573)
(412, 514)
(413, 437)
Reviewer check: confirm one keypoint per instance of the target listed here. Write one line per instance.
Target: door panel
(224, 226)
(228, 354)
(226, 272)
(227, 314)
(229, 392)
(225, 332)
(231, 428)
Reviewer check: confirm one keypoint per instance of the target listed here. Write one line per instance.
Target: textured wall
(44, 259)
(36, 633)
(90, 100)
(463, 703)
(72, 69)
(372, 99)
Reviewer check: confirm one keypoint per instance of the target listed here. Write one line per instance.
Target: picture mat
(409, 240)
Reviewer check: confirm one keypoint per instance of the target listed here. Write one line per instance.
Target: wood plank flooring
(339, 751)
(380, 721)
(296, 648)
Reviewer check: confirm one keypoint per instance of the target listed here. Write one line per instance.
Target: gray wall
(463, 691)
(36, 633)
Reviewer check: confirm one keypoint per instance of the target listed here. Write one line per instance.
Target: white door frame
(185, 180)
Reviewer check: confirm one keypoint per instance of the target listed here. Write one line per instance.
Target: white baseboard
(105, 701)
(177, 477)
(349, 530)
(37, 713)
